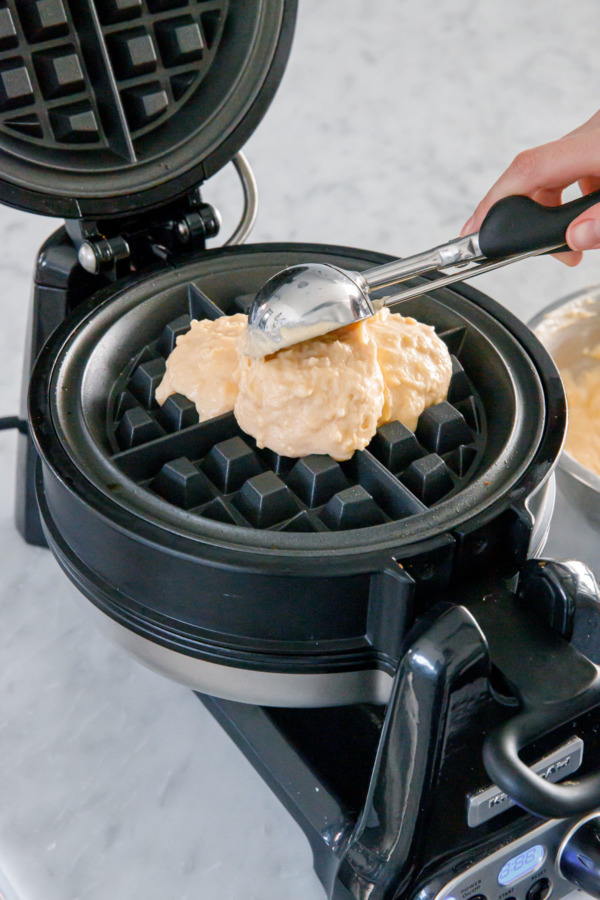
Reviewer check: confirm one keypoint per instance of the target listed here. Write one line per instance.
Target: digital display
(521, 865)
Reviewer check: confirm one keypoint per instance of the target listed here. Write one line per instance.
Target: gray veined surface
(100, 757)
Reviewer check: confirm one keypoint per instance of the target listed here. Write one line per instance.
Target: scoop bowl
(304, 302)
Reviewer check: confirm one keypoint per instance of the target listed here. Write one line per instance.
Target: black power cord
(7, 422)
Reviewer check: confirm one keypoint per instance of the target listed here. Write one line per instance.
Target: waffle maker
(377, 636)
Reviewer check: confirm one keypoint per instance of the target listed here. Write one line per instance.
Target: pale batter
(583, 398)
(326, 395)
(203, 366)
(415, 365)
(320, 396)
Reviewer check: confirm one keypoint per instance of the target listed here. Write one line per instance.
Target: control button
(539, 890)
(578, 857)
(478, 897)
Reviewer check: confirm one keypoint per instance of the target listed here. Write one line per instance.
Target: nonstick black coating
(217, 472)
(107, 108)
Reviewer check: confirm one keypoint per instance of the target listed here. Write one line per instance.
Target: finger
(545, 196)
(584, 232)
(548, 196)
(572, 258)
(589, 183)
(553, 197)
(550, 167)
(592, 122)
(468, 227)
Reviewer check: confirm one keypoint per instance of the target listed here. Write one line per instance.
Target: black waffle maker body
(383, 639)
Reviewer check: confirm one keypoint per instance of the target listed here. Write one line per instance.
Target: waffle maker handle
(535, 794)
(555, 684)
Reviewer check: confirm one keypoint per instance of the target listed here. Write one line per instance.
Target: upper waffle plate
(107, 106)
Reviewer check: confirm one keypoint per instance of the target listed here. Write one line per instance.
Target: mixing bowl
(567, 328)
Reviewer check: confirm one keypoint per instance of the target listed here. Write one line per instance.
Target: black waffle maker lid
(111, 107)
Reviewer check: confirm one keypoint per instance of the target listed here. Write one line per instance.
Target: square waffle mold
(100, 74)
(214, 470)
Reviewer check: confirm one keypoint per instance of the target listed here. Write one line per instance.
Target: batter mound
(327, 395)
(320, 396)
(415, 365)
(583, 398)
(203, 366)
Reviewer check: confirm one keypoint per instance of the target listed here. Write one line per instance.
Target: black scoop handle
(518, 224)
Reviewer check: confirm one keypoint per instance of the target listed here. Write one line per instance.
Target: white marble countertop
(392, 120)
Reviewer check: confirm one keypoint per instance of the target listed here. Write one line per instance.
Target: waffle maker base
(259, 578)
(432, 608)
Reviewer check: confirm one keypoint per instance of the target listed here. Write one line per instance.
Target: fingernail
(468, 226)
(585, 235)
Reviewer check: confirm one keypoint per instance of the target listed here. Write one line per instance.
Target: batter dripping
(203, 366)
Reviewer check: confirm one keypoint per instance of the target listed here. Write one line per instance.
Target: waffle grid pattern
(216, 471)
(100, 74)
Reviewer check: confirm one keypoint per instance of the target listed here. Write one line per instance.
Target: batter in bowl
(583, 398)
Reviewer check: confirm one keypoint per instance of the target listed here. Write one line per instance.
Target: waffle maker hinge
(76, 262)
(119, 247)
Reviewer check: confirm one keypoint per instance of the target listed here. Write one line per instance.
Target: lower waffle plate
(193, 476)
(222, 564)
(214, 470)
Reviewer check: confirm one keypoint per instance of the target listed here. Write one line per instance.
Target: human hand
(543, 172)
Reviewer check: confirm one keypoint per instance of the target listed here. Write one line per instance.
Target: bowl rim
(566, 461)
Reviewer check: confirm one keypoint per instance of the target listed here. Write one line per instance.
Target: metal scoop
(310, 300)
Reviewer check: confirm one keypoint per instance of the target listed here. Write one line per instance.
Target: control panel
(530, 868)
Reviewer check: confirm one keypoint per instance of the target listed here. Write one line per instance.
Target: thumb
(584, 232)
